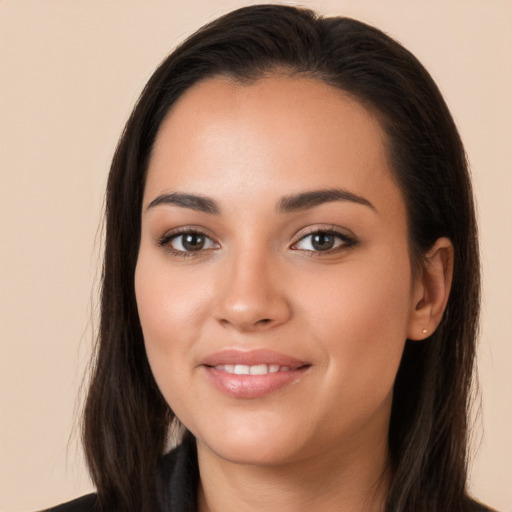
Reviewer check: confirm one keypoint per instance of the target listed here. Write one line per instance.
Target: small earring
(424, 331)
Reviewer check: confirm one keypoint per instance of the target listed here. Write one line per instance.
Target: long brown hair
(126, 418)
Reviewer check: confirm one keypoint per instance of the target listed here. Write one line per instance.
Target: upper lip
(251, 357)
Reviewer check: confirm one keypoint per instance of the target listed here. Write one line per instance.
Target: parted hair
(126, 419)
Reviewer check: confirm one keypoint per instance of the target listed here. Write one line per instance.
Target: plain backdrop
(70, 72)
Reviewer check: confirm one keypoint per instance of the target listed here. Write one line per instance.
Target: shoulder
(475, 506)
(86, 503)
(176, 483)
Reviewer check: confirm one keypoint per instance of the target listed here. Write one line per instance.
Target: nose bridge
(252, 294)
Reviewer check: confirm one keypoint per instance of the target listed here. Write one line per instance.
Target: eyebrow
(311, 199)
(287, 204)
(194, 202)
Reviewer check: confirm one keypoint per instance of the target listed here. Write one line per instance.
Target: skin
(319, 443)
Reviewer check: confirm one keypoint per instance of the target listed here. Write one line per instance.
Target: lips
(252, 374)
(251, 358)
(255, 369)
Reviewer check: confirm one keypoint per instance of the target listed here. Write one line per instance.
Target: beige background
(70, 73)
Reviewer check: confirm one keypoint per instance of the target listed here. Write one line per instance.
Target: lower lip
(252, 386)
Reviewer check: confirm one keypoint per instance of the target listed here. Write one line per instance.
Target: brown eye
(188, 242)
(323, 241)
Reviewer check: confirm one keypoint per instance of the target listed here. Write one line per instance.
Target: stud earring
(424, 331)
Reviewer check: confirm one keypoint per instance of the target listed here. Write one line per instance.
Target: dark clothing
(178, 478)
(83, 504)
(176, 484)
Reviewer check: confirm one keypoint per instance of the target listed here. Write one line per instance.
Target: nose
(252, 295)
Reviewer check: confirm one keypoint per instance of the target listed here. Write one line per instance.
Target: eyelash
(346, 242)
(167, 239)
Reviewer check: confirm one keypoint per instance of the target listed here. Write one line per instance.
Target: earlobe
(431, 290)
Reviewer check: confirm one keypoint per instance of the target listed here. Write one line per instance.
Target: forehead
(295, 132)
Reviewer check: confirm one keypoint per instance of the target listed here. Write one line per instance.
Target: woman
(291, 281)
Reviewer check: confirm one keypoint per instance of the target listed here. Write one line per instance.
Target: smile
(257, 369)
(252, 374)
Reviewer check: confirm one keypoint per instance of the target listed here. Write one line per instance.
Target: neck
(349, 480)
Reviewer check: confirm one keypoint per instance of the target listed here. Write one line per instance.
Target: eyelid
(165, 240)
(348, 239)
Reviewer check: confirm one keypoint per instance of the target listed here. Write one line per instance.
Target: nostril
(262, 322)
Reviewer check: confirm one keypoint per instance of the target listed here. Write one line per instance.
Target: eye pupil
(193, 242)
(322, 241)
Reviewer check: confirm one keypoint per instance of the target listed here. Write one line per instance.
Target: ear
(431, 289)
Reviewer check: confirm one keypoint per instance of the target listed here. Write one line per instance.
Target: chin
(267, 446)
(248, 454)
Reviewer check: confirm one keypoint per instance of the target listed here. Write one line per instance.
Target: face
(273, 281)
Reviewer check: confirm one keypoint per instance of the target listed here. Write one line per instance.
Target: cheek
(360, 318)
(171, 307)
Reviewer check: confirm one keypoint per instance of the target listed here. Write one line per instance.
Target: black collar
(179, 477)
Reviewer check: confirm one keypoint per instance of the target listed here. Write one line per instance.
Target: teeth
(257, 369)
(241, 369)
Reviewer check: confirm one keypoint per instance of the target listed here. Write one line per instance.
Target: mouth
(252, 374)
(256, 369)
